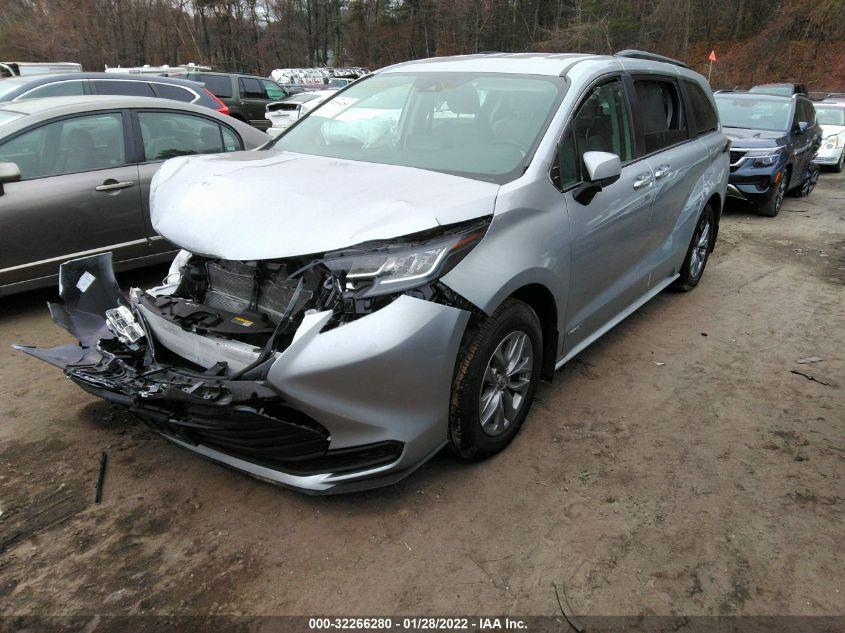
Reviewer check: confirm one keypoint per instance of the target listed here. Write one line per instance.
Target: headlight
(834, 141)
(763, 157)
(390, 267)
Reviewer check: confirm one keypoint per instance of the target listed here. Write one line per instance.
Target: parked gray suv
(488, 217)
(108, 84)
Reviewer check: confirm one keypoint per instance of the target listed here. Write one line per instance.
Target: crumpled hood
(273, 204)
(752, 139)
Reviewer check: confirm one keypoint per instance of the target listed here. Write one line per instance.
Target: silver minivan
(398, 270)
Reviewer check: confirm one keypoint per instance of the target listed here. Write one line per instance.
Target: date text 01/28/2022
(418, 624)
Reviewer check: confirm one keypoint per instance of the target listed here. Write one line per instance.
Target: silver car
(401, 268)
(75, 175)
(283, 114)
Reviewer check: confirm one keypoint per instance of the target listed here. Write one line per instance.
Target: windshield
(830, 116)
(784, 90)
(479, 125)
(11, 84)
(754, 114)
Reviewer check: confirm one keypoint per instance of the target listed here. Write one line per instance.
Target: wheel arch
(789, 168)
(542, 301)
(716, 202)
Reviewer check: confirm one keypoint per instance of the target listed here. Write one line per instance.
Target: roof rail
(630, 52)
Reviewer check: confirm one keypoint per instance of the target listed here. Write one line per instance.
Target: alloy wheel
(506, 382)
(700, 249)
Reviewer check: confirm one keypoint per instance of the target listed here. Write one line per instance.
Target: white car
(28, 69)
(831, 117)
(283, 114)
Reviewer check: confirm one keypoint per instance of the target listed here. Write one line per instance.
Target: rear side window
(56, 89)
(218, 85)
(273, 90)
(177, 93)
(128, 88)
(231, 141)
(67, 146)
(661, 114)
(703, 117)
(251, 88)
(169, 134)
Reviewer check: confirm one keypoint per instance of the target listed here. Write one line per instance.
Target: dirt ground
(681, 465)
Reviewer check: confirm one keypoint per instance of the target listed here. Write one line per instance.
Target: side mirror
(801, 127)
(9, 172)
(603, 169)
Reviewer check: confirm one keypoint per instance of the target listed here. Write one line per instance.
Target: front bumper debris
(357, 406)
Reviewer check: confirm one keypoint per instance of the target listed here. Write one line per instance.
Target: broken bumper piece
(354, 407)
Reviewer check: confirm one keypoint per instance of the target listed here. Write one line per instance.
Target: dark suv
(774, 140)
(135, 85)
(246, 96)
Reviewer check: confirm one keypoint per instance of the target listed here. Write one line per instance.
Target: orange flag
(712, 56)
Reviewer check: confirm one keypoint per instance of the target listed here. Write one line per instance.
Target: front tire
(698, 253)
(771, 207)
(838, 166)
(495, 381)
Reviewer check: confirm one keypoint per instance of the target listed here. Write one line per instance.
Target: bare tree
(801, 39)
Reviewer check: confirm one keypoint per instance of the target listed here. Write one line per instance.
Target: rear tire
(495, 381)
(698, 252)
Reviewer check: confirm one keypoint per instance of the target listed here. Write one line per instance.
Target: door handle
(642, 181)
(662, 172)
(113, 185)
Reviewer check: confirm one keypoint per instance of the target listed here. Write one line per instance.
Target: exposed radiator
(236, 287)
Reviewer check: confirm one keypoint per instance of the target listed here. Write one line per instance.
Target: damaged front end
(325, 374)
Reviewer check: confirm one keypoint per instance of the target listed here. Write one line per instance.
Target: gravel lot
(680, 465)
